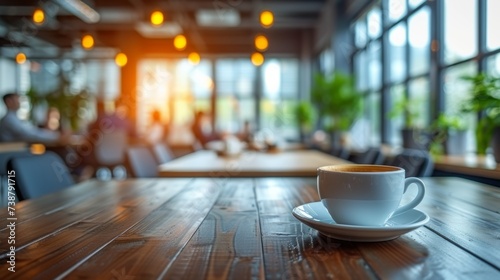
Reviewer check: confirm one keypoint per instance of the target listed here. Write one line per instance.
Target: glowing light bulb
(38, 16)
(180, 42)
(157, 18)
(266, 19)
(88, 42)
(257, 59)
(20, 58)
(261, 43)
(121, 59)
(194, 58)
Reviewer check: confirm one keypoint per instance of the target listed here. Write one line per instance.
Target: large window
(463, 41)
(177, 89)
(235, 81)
(460, 29)
(493, 24)
(279, 96)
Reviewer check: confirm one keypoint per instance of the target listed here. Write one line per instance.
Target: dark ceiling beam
(184, 6)
(282, 23)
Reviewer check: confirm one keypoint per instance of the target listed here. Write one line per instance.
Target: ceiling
(124, 25)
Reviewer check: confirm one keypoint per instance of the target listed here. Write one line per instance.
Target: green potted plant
(450, 131)
(69, 104)
(338, 102)
(485, 99)
(414, 137)
(304, 115)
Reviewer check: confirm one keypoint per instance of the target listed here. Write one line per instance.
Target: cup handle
(418, 198)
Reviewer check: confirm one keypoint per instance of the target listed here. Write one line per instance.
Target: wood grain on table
(208, 228)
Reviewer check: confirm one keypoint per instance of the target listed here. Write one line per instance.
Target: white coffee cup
(365, 195)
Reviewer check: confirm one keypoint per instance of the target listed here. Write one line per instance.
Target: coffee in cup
(365, 195)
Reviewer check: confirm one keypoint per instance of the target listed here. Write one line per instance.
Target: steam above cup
(365, 195)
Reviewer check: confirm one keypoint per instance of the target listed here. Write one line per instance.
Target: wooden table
(470, 164)
(241, 228)
(206, 163)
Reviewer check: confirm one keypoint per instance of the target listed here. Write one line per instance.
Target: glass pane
(396, 9)
(396, 53)
(360, 31)
(415, 3)
(373, 115)
(460, 29)
(200, 78)
(154, 90)
(494, 65)
(227, 114)
(419, 40)
(419, 96)
(360, 62)
(493, 24)
(375, 65)
(272, 79)
(289, 78)
(456, 91)
(397, 122)
(374, 22)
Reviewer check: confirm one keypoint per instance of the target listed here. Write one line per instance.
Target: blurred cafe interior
(177, 139)
(361, 80)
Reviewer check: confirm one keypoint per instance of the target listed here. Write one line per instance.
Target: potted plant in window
(450, 131)
(338, 102)
(69, 104)
(414, 137)
(485, 99)
(304, 115)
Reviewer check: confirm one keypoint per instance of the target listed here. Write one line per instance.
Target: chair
(162, 153)
(110, 155)
(4, 159)
(417, 163)
(340, 152)
(371, 156)
(142, 162)
(39, 175)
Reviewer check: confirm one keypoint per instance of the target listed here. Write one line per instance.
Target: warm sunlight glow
(20, 58)
(180, 42)
(261, 43)
(87, 42)
(37, 149)
(266, 19)
(194, 58)
(257, 59)
(38, 16)
(121, 59)
(157, 18)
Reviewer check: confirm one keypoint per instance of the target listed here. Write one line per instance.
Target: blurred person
(12, 128)
(202, 129)
(157, 131)
(107, 138)
(108, 120)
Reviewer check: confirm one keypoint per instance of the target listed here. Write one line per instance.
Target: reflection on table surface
(243, 228)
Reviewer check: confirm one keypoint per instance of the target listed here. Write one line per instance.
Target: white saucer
(316, 216)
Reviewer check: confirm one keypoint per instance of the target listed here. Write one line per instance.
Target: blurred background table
(206, 163)
(470, 164)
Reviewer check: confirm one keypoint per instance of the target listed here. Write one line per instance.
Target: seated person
(201, 129)
(157, 131)
(13, 129)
